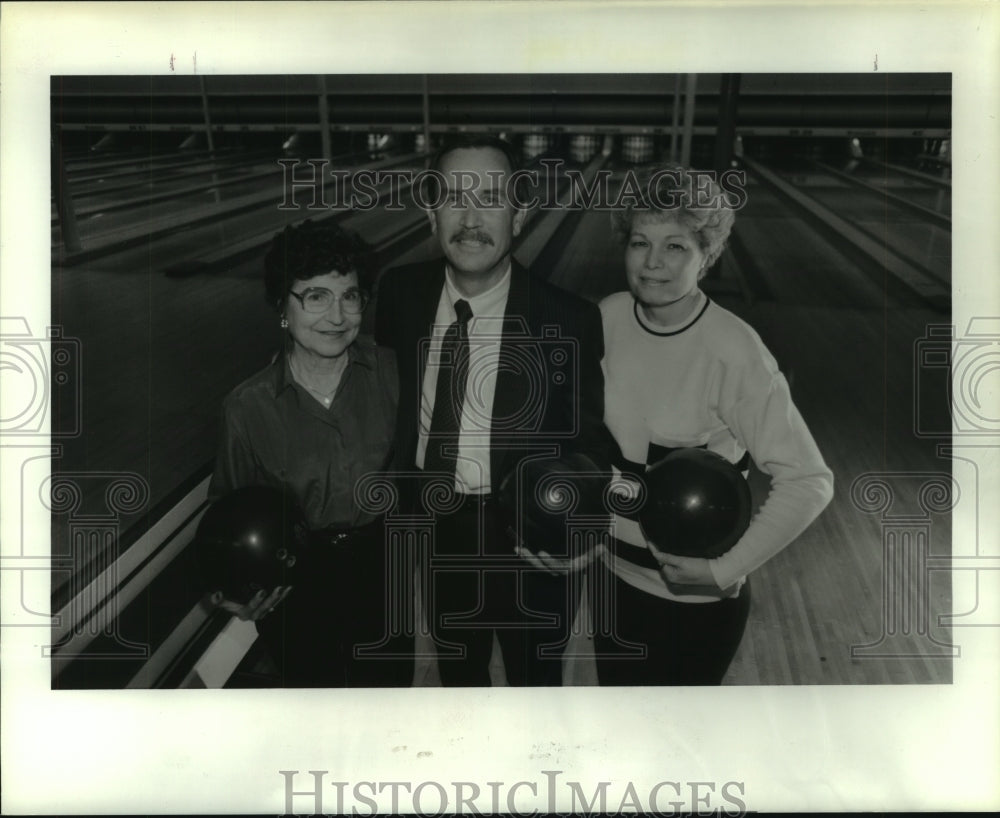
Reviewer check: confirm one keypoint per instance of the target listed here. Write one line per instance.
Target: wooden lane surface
(925, 245)
(102, 192)
(911, 166)
(174, 191)
(839, 215)
(883, 192)
(927, 191)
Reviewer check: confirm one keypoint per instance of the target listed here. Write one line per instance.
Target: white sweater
(709, 381)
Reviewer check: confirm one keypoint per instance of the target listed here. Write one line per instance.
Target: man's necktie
(449, 394)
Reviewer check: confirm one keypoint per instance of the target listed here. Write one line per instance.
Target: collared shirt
(472, 471)
(275, 433)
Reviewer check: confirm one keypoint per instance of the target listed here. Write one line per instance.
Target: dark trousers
(682, 643)
(479, 587)
(333, 629)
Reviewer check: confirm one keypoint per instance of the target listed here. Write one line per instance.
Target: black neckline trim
(687, 326)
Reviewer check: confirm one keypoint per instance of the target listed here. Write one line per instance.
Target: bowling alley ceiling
(504, 101)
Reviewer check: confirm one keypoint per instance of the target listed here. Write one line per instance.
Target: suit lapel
(510, 395)
(426, 299)
(417, 300)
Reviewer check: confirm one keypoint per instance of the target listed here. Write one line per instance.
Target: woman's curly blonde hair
(672, 192)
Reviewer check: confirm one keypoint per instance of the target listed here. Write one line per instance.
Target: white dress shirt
(472, 472)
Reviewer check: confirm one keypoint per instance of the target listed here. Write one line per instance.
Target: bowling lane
(232, 166)
(110, 191)
(192, 242)
(908, 235)
(135, 157)
(797, 263)
(270, 186)
(84, 179)
(926, 245)
(591, 263)
(926, 194)
(937, 167)
(91, 225)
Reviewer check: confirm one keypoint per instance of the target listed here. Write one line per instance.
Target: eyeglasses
(320, 299)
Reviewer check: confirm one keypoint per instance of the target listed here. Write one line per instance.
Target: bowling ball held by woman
(248, 543)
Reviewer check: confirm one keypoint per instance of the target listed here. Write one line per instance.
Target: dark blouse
(276, 434)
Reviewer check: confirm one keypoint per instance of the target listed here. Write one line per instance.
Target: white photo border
(802, 748)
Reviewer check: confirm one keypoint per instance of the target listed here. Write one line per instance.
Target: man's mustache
(472, 235)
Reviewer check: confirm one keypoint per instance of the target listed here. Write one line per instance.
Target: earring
(284, 322)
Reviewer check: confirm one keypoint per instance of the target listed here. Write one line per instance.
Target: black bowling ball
(697, 504)
(248, 541)
(542, 496)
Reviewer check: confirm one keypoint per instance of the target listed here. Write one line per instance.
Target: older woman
(680, 372)
(312, 423)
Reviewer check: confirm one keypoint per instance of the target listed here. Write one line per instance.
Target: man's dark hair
(465, 141)
(455, 142)
(309, 249)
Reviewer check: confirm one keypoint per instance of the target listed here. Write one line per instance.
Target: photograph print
(470, 380)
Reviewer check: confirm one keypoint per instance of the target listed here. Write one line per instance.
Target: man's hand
(260, 605)
(544, 561)
(683, 570)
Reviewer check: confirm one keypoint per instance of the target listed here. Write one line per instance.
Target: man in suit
(496, 367)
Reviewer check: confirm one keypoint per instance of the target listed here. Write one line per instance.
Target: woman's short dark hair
(674, 192)
(309, 249)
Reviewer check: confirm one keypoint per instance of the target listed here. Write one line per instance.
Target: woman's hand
(259, 606)
(683, 570)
